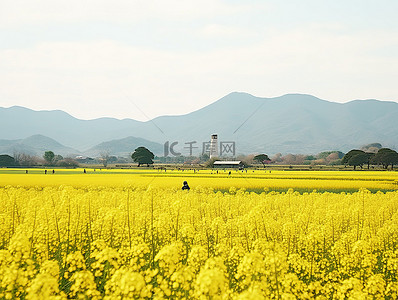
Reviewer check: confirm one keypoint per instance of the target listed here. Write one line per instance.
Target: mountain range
(293, 123)
(34, 145)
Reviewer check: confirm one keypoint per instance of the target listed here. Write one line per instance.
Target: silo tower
(213, 146)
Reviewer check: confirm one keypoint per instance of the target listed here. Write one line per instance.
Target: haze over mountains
(292, 123)
(34, 145)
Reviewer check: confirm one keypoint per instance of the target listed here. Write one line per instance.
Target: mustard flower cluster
(123, 243)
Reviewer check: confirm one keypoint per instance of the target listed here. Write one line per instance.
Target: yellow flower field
(257, 180)
(133, 234)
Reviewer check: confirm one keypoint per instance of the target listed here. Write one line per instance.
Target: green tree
(261, 158)
(7, 161)
(350, 154)
(386, 157)
(363, 158)
(358, 160)
(142, 156)
(49, 157)
(369, 156)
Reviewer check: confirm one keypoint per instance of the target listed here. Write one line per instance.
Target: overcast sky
(142, 59)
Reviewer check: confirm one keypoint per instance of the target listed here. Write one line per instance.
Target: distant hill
(124, 147)
(35, 145)
(80, 134)
(292, 123)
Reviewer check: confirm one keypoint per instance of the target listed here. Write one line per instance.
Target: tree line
(359, 158)
(356, 158)
(25, 160)
(384, 157)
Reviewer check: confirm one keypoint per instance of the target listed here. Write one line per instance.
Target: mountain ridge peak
(255, 124)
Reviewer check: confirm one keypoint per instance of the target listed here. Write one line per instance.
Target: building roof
(227, 162)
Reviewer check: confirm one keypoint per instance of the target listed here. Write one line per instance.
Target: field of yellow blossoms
(134, 234)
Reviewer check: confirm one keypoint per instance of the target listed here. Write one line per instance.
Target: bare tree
(24, 159)
(105, 157)
(277, 157)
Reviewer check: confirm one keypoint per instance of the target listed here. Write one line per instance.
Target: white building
(214, 146)
(228, 164)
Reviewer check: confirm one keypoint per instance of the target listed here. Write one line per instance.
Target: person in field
(185, 186)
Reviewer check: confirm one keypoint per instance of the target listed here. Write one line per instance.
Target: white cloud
(96, 78)
(226, 32)
(24, 12)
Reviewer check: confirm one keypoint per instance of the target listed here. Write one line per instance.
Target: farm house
(236, 164)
